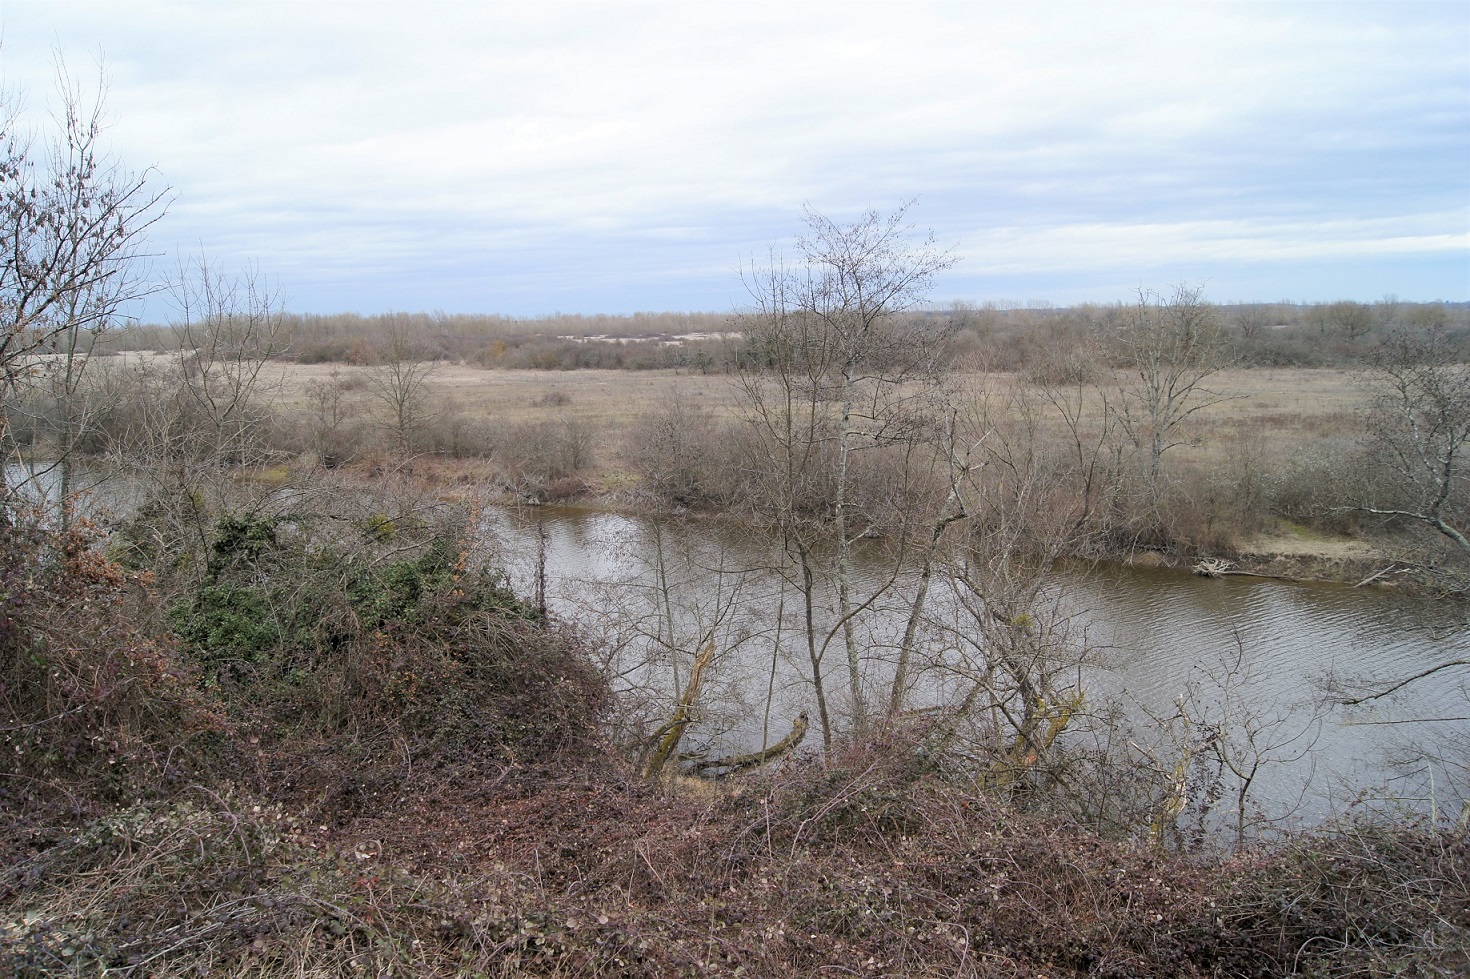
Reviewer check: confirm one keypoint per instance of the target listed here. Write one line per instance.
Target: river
(1259, 657)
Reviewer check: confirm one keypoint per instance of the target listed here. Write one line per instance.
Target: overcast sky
(530, 158)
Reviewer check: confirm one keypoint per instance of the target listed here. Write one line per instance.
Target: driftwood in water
(1375, 576)
(1218, 568)
(738, 763)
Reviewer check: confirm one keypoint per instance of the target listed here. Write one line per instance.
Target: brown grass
(1278, 404)
(864, 867)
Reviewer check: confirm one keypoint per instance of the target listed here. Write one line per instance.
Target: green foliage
(227, 619)
(316, 637)
(399, 591)
(378, 527)
(263, 596)
(240, 538)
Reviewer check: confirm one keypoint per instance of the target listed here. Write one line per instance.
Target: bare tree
(72, 226)
(849, 367)
(197, 419)
(229, 327)
(1168, 348)
(1005, 649)
(673, 448)
(329, 419)
(1353, 320)
(1252, 321)
(399, 382)
(959, 444)
(1418, 427)
(1244, 733)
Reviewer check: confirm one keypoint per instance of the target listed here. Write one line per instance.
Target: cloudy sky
(529, 158)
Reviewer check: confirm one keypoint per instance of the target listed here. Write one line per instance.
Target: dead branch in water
(737, 763)
(670, 734)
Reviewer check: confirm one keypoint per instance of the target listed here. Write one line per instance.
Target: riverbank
(862, 867)
(1292, 554)
(1284, 550)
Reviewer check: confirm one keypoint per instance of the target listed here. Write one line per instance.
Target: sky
(534, 158)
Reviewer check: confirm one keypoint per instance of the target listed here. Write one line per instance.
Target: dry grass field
(1271, 402)
(608, 398)
(1266, 409)
(1266, 420)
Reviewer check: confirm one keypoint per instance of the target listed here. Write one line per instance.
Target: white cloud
(1125, 246)
(315, 135)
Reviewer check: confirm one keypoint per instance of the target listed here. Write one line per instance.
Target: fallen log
(738, 763)
(1218, 568)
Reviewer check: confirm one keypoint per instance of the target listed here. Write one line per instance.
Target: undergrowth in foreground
(864, 868)
(415, 786)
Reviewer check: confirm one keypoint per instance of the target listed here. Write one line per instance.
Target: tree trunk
(844, 567)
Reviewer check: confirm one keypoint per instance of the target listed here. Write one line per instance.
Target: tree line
(993, 335)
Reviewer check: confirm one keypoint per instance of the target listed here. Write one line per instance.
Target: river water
(1265, 658)
(1262, 657)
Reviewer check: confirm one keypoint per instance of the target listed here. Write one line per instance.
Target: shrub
(305, 634)
(92, 709)
(673, 449)
(533, 454)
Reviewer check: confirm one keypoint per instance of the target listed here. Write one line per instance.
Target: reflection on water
(652, 590)
(95, 491)
(1292, 642)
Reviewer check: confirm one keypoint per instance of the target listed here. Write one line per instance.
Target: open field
(1273, 402)
(1276, 404)
(1268, 411)
(609, 399)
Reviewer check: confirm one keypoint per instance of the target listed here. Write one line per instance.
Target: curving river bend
(1269, 653)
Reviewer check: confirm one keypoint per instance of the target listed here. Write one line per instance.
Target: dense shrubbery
(282, 639)
(867, 863)
(642, 341)
(1031, 340)
(92, 709)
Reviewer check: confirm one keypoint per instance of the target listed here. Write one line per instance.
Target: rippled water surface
(1278, 649)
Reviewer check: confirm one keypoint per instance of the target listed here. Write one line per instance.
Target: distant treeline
(1032, 340)
(641, 341)
(1037, 341)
